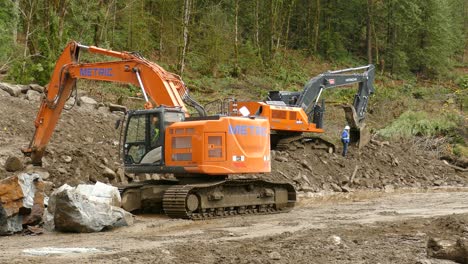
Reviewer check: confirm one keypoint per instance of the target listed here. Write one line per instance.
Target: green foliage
(462, 82)
(460, 150)
(7, 17)
(411, 124)
(23, 71)
(423, 37)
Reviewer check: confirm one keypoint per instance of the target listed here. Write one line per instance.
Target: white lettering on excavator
(96, 72)
(351, 80)
(248, 130)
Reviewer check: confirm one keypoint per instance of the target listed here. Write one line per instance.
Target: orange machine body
(229, 145)
(281, 118)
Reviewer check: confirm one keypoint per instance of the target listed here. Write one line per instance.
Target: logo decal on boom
(96, 72)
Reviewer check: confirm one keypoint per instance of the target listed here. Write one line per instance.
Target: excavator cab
(145, 135)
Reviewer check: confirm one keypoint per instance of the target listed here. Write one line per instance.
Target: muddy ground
(363, 227)
(384, 214)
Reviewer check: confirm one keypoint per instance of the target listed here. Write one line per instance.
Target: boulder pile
(21, 202)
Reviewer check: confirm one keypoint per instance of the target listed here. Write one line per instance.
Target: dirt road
(360, 227)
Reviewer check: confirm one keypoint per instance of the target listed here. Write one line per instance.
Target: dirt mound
(85, 144)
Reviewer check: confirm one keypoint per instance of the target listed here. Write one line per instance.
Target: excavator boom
(158, 85)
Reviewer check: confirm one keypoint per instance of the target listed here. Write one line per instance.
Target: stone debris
(448, 249)
(32, 95)
(117, 108)
(21, 202)
(87, 208)
(13, 90)
(109, 173)
(87, 103)
(13, 164)
(36, 87)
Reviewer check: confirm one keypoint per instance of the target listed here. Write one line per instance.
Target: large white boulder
(87, 208)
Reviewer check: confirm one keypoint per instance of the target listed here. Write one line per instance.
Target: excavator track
(228, 198)
(286, 142)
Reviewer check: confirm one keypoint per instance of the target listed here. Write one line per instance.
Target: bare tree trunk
(368, 32)
(161, 32)
(62, 13)
(236, 40)
(106, 20)
(316, 26)
(185, 35)
(286, 38)
(16, 20)
(114, 21)
(257, 28)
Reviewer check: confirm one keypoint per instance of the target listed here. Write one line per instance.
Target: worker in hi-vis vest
(345, 140)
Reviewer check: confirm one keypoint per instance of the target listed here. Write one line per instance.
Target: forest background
(246, 48)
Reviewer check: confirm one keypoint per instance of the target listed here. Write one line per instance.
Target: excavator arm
(158, 86)
(310, 96)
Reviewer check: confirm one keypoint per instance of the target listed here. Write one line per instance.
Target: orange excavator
(201, 152)
(294, 115)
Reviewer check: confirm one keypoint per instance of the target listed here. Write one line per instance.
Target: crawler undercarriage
(208, 199)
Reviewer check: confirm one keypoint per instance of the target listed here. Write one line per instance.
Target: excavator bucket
(359, 133)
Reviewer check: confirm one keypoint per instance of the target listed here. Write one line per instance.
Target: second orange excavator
(294, 115)
(201, 151)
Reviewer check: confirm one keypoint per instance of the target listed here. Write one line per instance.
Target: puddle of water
(58, 251)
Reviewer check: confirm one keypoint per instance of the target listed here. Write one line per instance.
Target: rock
(335, 187)
(24, 88)
(439, 183)
(281, 159)
(346, 188)
(42, 172)
(62, 170)
(124, 260)
(66, 159)
(336, 240)
(11, 89)
(87, 103)
(4, 93)
(121, 175)
(37, 209)
(117, 108)
(13, 164)
(109, 173)
(32, 95)
(92, 178)
(447, 249)
(77, 211)
(389, 188)
(10, 225)
(101, 192)
(36, 87)
(103, 109)
(125, 218)
(11, 196)
(21, 202)
(306, 165)
(274, 255)
(70, 102)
